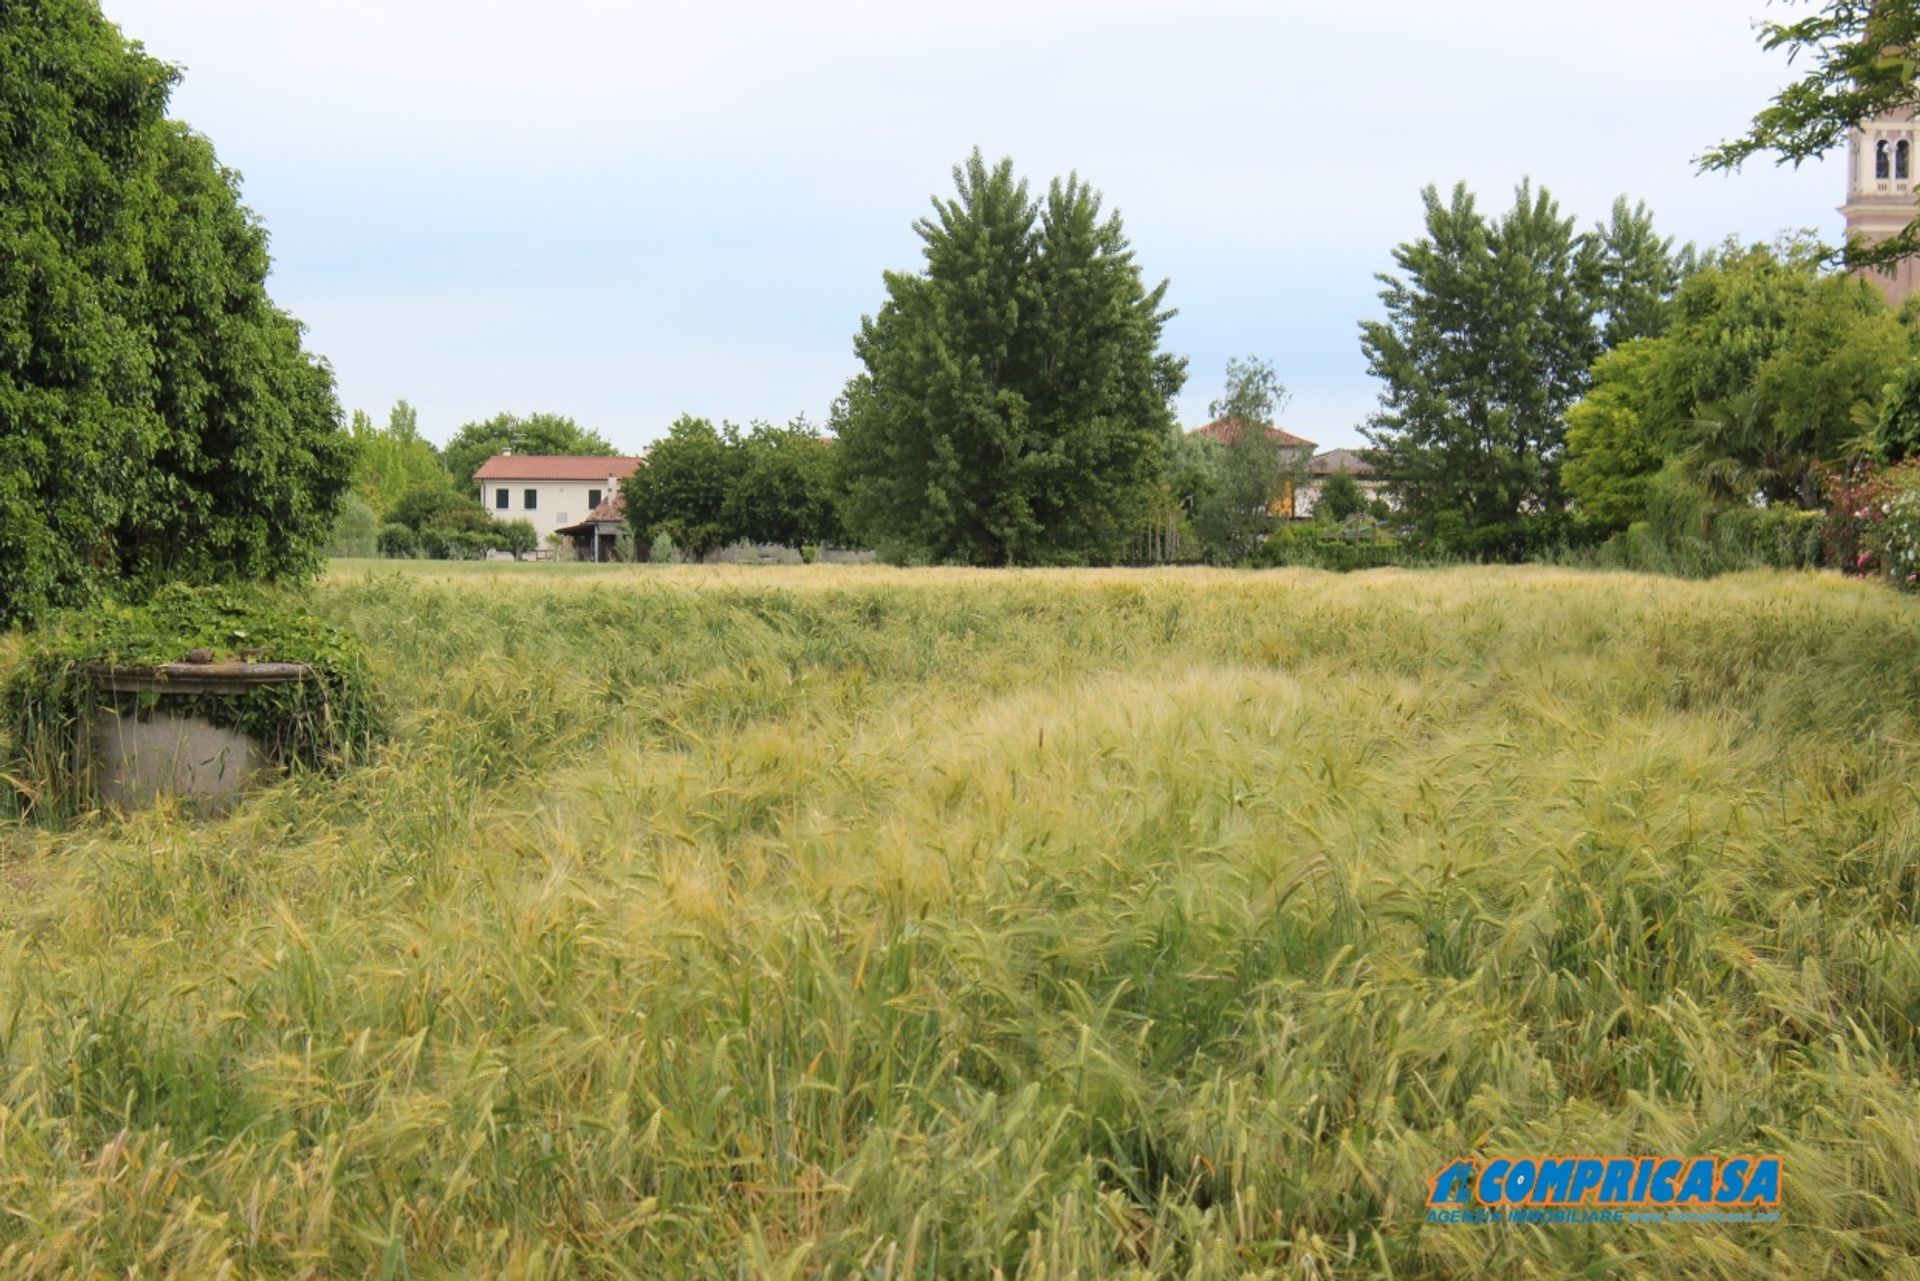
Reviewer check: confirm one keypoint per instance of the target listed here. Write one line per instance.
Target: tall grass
(855, 922)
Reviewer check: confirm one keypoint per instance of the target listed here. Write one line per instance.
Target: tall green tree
(392, 461)
(1488, 339)
(682, 490)
(1251, 469)
(784, 487)
(1860, 60)
(1015, 404)
(1632, 274)
(162, 418)
(476, 442)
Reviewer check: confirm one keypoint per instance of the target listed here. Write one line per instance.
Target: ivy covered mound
(47, 706)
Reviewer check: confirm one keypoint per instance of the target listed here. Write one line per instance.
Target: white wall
(556, 502)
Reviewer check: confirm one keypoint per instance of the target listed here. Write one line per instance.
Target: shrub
(516, 536)
(663, 552)
(397, 540)
(1884, 515)
(49, 700)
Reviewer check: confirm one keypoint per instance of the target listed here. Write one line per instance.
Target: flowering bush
(1873, 523)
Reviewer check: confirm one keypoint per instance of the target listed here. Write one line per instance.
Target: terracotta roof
(555, 467)
(1335, 460)
(1225, 430)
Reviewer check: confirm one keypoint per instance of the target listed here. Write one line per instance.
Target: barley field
(851, 922)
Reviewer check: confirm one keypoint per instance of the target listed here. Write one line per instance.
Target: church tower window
(1881, 167)
(1901, 152)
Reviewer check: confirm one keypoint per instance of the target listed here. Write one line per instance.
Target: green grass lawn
(866, 923)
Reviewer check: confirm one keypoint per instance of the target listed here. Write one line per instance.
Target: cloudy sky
(624, 211)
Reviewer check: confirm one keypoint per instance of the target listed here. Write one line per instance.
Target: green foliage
(784, 490)
(1611, 458)
(396, 460)
(162, 419)
(474, 443)
(662, 551)
(1889, 516)
(1688, 531)
(1488, 340)
(356, 529)
(1767, 369)
(516, 536)
(1858, 64)
(398, 540)
(682, 490)
(1015, 407)
(1632, 273)
(1340, 497)
(50, 701)
(1896, 432)
(1763, 375)
(448, 507)
(1251, 469)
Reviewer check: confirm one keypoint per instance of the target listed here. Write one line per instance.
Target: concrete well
(141, 757)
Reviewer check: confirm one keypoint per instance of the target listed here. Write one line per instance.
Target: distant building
(1321, 466)
(597, 538)
(1298, 449)
(1881, 188)
(551, 490)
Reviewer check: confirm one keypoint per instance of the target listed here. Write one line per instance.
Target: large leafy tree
(161, 416)
(682, 490)
(1860, 59)
(1816, 349)
(1488, 339)
(1015, 406)
(474, 443)
(783, 490)
(1768, 368)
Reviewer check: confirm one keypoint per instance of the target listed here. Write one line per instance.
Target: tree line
(410, 497)
(1545, 391)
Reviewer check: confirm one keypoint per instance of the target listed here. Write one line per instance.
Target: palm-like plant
(1741, 451)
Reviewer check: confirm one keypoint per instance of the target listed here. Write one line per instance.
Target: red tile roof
(555, 467)
(1225, 430)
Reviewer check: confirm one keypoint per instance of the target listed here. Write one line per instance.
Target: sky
(625, 211)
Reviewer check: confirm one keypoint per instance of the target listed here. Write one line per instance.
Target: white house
(551, 490)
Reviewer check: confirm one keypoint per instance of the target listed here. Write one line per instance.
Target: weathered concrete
(167, 755)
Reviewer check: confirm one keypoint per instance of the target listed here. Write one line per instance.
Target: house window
(593, 495)
(500, 499)
(1881, 166)
(533, 499)
(1901, 153)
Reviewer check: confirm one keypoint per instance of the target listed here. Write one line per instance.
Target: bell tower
(1883, 186)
